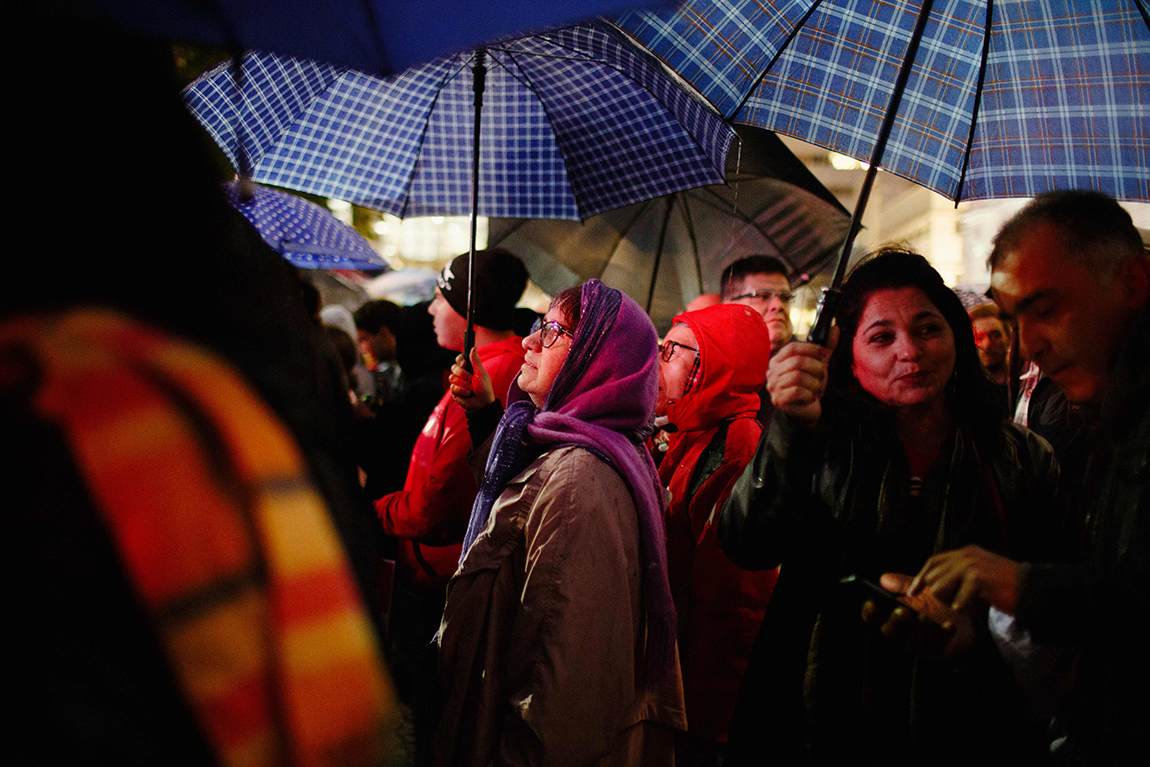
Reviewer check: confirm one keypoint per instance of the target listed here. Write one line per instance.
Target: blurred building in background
(956, 240)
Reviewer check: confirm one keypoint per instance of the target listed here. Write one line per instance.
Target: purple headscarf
(603, 400)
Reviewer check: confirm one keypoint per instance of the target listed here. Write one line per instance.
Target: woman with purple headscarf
(557, 642)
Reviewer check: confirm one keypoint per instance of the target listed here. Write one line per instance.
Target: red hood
(735, 347)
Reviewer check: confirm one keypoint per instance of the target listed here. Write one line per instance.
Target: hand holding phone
(922, 623)
(861, 591)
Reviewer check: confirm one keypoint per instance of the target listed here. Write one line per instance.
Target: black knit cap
(500, 279)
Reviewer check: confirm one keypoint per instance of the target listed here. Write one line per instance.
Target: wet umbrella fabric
(574, 122)
(307, 235)
(665, 252)
(376, 36)
(1006, 99)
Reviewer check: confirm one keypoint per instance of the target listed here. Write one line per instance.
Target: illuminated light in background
(341, 209)
(842, 162)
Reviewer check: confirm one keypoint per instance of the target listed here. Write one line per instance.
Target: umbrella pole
(659, 250)
(479, 77)
(246, 186)
(828, 304)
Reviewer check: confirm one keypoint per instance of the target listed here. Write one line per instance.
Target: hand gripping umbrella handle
(824, 316)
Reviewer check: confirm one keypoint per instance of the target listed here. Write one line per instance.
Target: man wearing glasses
(761, 283)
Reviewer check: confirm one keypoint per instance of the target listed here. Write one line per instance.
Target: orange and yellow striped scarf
(229, 548)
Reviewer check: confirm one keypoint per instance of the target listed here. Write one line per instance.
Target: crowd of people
(778, 469)
(248, 529)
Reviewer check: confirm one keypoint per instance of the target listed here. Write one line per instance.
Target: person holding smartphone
(1072, 270)
(883, 450)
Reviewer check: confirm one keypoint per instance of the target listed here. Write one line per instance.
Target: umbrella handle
(824, 315)
(479, 84)
(468, 345)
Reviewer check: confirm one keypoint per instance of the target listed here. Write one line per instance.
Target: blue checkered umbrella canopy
(304, 233)
(1006, 99)
(574, 122)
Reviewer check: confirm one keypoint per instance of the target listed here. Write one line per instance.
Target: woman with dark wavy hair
(969, 396)
(880, 453)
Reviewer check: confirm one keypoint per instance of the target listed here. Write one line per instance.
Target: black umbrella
(666, 251)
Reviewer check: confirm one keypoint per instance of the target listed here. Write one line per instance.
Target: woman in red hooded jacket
(713, 365)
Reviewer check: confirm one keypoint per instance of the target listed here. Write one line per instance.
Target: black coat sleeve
(778, 502)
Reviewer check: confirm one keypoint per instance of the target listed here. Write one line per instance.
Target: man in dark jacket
(377, 324)
(992, 336)
(1071, 269)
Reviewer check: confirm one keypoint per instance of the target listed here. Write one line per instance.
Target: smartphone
(923, 604)
(859, 590)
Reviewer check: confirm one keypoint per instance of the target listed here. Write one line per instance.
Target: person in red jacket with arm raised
(429, 516)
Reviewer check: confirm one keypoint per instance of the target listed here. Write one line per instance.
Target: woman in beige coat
(557, 643)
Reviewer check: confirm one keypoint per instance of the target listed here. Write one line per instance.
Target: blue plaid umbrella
(577, 122)
(973, 99)
(574, 123)
(1006, 99)
(305, 234)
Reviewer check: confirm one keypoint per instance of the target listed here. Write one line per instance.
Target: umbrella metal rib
(704, 196)
(520, 75)
(689, 219)
(779, 52)
(659, 250)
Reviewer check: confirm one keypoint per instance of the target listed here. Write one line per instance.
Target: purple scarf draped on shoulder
(603, 400)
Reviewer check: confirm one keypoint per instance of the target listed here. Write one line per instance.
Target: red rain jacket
(429, 516)
(720, 606)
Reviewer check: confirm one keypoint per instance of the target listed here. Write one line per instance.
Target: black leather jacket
(818, 484)
(835, 501)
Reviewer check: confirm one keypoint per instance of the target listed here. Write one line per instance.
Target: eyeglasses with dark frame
(667, 350)
(785, 296)
(549, 332)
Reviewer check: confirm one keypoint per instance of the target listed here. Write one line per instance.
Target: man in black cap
(429, 516)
